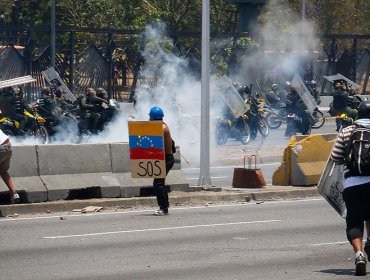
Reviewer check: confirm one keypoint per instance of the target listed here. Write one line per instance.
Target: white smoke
(284, 48)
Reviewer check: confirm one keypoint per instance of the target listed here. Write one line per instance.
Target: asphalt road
(300, 239)
(225, 158)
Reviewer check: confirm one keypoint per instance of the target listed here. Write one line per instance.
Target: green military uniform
(89, 114)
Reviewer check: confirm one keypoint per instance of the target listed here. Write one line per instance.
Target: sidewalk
(198, 196)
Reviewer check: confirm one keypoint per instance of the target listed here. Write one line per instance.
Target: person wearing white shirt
(5, 157)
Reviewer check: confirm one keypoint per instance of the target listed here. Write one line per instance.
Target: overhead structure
(249, 11)
(17, 81)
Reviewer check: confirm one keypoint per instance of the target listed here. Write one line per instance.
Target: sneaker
(15, 198)
(360, 263)
(367, 248)
(161, 212)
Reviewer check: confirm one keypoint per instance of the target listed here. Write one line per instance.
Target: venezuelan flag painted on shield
(146, 145)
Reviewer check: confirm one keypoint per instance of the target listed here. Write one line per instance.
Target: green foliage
(329, 16)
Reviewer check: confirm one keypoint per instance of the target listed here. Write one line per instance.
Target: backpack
(358, 151)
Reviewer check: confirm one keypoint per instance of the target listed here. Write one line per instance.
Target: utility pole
(204, 177)
(52, 35)
(303, 15)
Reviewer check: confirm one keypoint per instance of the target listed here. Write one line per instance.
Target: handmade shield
(330, 186)
(147, 155)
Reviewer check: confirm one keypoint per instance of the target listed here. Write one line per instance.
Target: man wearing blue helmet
(156, 114)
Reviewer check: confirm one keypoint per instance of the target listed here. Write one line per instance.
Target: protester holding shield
(156, 114)
(352, 149)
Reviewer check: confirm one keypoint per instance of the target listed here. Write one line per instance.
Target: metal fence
(111, 59)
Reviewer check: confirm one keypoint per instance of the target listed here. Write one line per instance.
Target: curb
(177, 198)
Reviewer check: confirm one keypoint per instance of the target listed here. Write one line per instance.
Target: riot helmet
(45, 91)
(90, 92)
(100, 92)
(364, 110)
(275, 87)
(156, 113)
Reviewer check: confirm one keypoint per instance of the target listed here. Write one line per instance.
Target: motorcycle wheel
(246, 134)
(221, 135)
(42, 132)
(319, 119)
(273, 121)
(263, 127)
(290, 129)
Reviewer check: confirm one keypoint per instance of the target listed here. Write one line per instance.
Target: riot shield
(338, 77)
(330, 186)
(230, 96)
(304, 93)
(52, 77)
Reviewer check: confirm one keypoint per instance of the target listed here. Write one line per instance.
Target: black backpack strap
(348, 148)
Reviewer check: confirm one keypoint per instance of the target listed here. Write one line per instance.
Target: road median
(199, 196)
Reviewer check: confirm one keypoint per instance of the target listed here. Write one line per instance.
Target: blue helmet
(156, 113)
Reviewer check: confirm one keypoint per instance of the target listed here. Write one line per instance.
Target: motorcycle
(236, 128)
(34, 127)
(58, 120)
(275, 118)
(255, 118)
(296, 124)
(109, 112)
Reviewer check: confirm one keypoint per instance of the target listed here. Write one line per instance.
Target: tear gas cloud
(281, 52)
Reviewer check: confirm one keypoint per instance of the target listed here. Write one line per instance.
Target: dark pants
(19, 118)
(159, 185)
(357, 199)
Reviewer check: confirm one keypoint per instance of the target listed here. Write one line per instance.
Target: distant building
(249, 11)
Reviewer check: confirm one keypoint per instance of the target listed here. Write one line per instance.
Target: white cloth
(3, 137)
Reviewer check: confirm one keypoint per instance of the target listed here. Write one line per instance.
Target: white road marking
(151, 210)
(327, 243)
(158, 229)
(300, 245)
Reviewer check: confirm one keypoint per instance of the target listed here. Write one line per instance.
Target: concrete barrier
(24, 170)
(304, 160)
(55, 172)
(72, 171)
